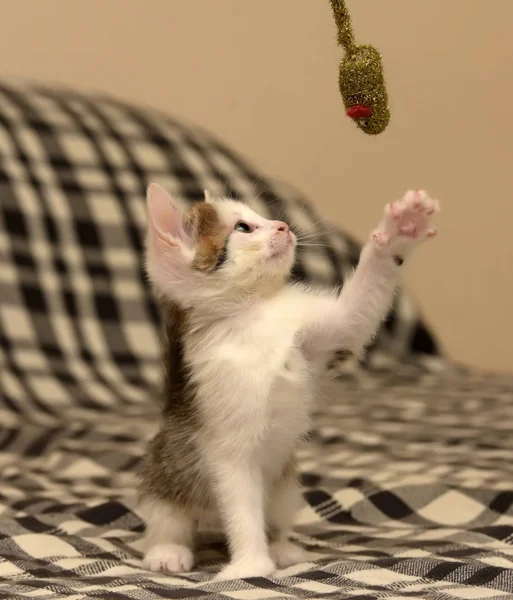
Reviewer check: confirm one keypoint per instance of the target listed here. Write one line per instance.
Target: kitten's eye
(243, 227)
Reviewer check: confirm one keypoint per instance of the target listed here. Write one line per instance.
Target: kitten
(243, 352)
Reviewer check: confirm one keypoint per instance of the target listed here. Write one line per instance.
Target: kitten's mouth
(282, 246)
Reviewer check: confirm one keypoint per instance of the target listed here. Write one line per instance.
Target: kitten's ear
(166, 220)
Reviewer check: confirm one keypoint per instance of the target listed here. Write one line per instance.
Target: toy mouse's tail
(345, 35)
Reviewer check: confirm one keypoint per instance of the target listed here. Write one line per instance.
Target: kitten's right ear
(166, 220)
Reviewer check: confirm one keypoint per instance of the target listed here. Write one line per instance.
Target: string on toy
(361, 78)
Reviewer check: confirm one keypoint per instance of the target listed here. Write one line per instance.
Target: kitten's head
(214, 249)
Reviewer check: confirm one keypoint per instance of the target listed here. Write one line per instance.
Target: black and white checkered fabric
(408, 477)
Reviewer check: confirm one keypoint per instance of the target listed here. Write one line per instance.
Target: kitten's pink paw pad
(286, 553)
(407, 220)
(408, 229)
(169, 558)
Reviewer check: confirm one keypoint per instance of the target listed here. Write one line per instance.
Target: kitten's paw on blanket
(254, 567)
(169, 558)
(285, 553)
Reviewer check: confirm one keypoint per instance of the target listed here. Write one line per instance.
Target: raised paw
(406, 221)
(260, 566)
(285, 553)
(169, 558)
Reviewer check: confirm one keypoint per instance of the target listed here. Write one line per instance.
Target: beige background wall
(262, 75)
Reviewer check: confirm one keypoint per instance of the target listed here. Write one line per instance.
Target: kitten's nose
(281, 226)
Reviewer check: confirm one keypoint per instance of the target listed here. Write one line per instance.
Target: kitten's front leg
(240, 495)
(284, 502)
(367, 297)
(234, 408)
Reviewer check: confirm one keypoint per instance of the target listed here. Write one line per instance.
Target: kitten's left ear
(166, 218)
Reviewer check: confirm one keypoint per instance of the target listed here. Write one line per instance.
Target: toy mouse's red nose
(358, 111)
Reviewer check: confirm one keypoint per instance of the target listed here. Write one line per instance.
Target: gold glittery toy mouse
(361, 79)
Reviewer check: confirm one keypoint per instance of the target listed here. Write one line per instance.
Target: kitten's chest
(288, 413)
(291, 395)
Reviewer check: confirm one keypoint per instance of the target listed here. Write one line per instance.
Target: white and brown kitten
(244, 351)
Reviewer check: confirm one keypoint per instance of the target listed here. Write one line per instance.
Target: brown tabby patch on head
(211, 237)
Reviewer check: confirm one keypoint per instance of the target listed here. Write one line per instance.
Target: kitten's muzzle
(282, 239)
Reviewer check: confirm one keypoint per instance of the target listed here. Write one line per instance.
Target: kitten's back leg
(168, 541)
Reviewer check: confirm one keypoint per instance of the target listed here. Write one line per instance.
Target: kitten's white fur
(256, 348)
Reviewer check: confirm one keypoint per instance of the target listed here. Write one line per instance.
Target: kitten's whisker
(308, 227)
(319, 234)
(310, 236)
(320, 231)
(322, 221)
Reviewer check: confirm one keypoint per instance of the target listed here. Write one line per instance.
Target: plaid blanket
(407, 483)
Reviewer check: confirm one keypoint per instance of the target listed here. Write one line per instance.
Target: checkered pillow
(78, 324)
